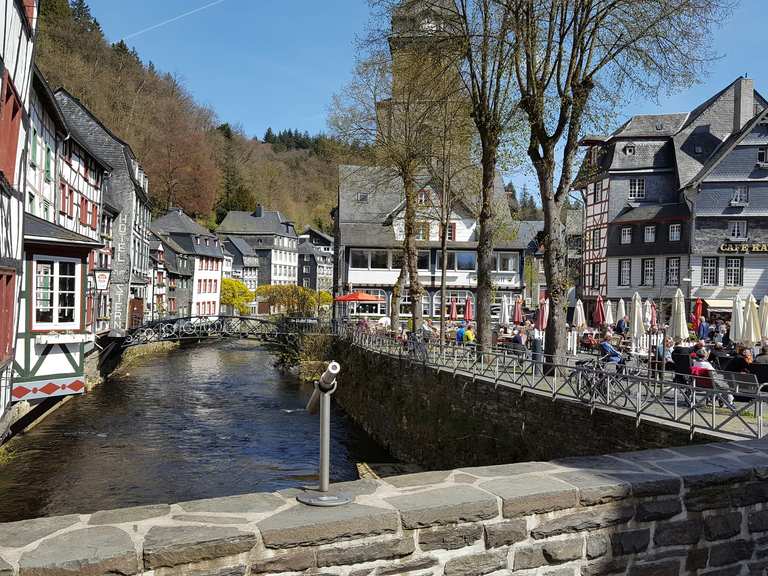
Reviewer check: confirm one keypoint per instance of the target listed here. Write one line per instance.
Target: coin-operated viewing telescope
(321, 396)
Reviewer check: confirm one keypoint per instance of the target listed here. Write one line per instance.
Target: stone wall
(692, 510)
(439, 420)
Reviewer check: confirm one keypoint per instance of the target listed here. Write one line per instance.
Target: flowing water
(198, 422)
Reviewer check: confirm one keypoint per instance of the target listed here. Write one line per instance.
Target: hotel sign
(743, 247)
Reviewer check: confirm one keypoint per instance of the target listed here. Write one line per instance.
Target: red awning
(359, 297)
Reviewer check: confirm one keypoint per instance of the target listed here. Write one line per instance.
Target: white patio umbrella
(579, 318)
(621, 310)
(764, 317)
(609, 317)
(751, 335)
(636, 327)
(504, 319)
(737, 320)
(678, 325)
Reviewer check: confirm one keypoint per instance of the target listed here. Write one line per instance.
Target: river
(197, 422)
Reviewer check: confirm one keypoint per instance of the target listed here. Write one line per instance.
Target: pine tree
(269, 136)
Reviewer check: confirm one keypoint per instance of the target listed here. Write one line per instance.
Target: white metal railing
(633, 390)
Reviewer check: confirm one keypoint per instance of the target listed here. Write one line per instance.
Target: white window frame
(737, 229)
(629, 150)
(514, 256)
(672, 273)
(649, 234)
(637, 188)
(675, 232)
(708, 270)
(625, 279)
(762, 152)
(649, 272)
(367, 259)
(55, 324)
(730, 270)
(362, 196)
(740, 196)
(626, 235)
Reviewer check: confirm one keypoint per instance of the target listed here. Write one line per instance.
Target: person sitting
(698, 347)
(610, 354)
(517, 338)
(703, 330)
(762, 358)
(717, 353)
(460, 334)
(742, 360)
(702, 370)
(622, 326)
(588, 341)
(664, 354)
(469, 335)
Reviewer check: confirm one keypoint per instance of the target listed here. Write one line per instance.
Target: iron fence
(633, 390)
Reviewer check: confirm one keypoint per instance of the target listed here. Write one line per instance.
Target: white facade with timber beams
(17, 37)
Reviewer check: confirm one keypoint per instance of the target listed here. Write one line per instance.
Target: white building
(187, 237)
(371, 232)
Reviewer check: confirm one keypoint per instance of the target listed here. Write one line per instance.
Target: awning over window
(715, 305)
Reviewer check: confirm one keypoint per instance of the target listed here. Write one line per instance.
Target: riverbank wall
(669, 512)
(439, 419)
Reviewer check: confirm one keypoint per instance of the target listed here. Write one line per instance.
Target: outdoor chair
(760, 371)
(741, 383)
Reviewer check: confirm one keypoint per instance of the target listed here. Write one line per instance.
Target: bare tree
(392, 102)
(570, 56)
(485, 28)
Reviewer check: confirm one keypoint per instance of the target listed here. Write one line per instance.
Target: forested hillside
(193, 160)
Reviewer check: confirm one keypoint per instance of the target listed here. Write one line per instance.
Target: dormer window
(637, 189)
(762, 156)
(362, 196)
(659, 126)
(629, 149)
(740, 196)
(197, 239)
(423, 197)
(698, 150)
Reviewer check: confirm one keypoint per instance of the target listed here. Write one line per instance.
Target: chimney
(258, 213)
(744, 108)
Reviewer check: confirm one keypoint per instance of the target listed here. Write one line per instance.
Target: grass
(6, 455)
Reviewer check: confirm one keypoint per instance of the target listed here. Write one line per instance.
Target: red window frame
(10, 123)
(7, 309)
(71, 203)
(64, 196)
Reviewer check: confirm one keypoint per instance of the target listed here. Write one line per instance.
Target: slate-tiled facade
(690, 166)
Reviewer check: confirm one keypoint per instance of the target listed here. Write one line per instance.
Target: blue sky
(277, 63)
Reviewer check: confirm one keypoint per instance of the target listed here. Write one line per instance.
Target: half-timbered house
(54, 327)
(127, 194)
(17, 36)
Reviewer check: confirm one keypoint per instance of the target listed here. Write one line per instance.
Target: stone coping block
(533, 494)
(467, 521)
(24, 532)
(86, 552)
(123, 515)
(241, 504)
(176, 545)
(304, 525)
(458, 503)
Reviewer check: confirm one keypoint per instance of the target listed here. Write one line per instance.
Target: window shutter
(91, 261)
(452, 231)
(71, 203)
(83, 210)
(94, 215)
(89, 309)
(63, 205)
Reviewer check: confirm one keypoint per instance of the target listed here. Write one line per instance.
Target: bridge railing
(646, 395)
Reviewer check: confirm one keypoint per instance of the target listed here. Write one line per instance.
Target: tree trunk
(411, 254)
(485, 260)
(394, 310)
(443, 266)
(555, 266)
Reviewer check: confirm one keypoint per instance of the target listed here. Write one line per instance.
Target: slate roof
(657, 154)
(309, 230)
(651, 125)
(728, 146)
(243, 254)
(171, 264)
(94, 135)
(176, 222)
(654, 212)
(247, 223)
(38, 229)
